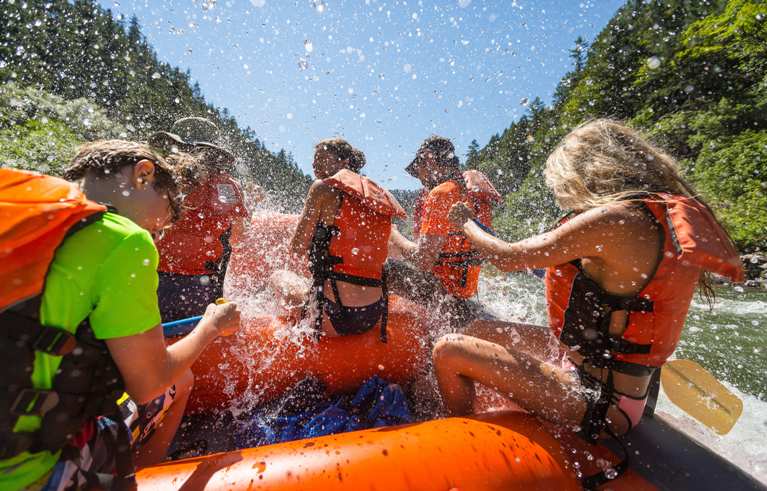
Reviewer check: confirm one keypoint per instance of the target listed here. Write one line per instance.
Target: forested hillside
(71, 72)
(692, 74)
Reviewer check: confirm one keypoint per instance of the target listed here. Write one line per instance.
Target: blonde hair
(604, 161)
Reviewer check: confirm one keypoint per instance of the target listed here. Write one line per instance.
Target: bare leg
(528, 338)
(537, 385)
(155, 449)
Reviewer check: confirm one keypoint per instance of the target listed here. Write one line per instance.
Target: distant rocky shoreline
(756, 269)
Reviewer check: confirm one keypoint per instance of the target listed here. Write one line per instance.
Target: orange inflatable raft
(267, 357)
(500, 451)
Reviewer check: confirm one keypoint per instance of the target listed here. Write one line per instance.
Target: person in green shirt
(106, 272)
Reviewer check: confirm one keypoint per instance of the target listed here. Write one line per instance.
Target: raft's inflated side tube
(507, 451)
(262, 361)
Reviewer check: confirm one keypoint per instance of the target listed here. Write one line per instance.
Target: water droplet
(125, 193)
(308, 46)
(653, 62)
(319, 5)
(156, 75)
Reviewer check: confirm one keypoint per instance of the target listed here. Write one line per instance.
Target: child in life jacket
(343, 233)
(621, 273)
(78, 306)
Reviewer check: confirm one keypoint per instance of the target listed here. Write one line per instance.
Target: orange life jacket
(355, 247)
(458, 264)
(36, 211)
(363, 222)
(579, 310)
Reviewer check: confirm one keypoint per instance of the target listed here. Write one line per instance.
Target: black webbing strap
(595, 422)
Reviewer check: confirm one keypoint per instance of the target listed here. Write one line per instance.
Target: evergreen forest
(71, 72)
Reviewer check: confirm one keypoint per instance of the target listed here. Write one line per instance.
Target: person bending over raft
(195, 250)
(447, 266)
(344, 229)
(80, 322)
(622, 269)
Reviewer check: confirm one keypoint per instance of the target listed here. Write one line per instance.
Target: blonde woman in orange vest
(621, 272)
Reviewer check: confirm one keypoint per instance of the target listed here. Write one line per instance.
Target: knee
(447, 348)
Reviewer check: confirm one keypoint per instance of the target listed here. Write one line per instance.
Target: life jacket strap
(321, 266)
(595, 422)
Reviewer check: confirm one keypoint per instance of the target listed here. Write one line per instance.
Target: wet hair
(358, 160)
(604, 161)
(339, 147)
(107, 157)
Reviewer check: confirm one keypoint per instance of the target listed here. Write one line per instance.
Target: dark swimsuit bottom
(354, 320)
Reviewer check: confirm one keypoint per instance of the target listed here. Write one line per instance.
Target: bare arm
(423, 254)
(596, 234)
(321, 205)
(149, 367)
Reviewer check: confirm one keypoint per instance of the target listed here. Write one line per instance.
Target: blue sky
(383, 74)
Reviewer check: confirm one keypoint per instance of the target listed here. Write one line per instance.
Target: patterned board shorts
(92, 451)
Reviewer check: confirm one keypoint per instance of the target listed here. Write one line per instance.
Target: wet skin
(618, 246)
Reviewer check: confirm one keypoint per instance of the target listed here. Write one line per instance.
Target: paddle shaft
(180, 327)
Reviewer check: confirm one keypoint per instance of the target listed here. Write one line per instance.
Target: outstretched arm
(149, 367)
(590, 234)
(423, 254)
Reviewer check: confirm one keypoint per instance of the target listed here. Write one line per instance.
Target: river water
(728, 340)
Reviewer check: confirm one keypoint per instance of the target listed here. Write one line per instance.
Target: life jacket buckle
(54, 341)
(34, 402)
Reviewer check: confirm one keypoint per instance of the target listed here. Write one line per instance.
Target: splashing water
(728, 340)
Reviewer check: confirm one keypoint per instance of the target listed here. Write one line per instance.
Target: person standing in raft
(622, 268)
(78, 306)
(343, 233)
(195, 250)
(446, 272)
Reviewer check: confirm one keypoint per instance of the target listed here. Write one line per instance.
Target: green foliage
(79, 52)
(41, 131)
(731, 173)
(692, 75)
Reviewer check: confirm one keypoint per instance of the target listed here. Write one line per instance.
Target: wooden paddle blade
(699, 394)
